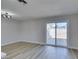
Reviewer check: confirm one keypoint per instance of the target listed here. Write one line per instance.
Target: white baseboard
(22, 41)
(41, 43)
(34, 42)
(9, 43)
(72, 47)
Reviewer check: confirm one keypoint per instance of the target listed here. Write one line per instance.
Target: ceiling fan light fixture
(23, 1)
(6, 15)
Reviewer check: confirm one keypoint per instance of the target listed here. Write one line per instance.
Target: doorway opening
(57, 34)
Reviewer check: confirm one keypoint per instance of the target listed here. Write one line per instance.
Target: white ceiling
(40, 8)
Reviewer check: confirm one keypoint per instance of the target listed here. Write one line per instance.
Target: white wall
(73, 32)
(9, 32)
(35, 30)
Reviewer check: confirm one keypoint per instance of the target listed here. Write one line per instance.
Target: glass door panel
(61, 34)
(51, 33)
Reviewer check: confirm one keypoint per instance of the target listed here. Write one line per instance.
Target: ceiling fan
(22, 1)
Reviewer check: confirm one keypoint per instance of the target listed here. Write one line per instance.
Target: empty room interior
(39, 29)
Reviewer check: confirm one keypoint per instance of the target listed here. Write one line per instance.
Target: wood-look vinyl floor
(23, 50)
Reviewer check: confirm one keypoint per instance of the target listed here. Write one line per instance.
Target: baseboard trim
(10, 43)
(37, 43)
(73, 48)
(43, 44)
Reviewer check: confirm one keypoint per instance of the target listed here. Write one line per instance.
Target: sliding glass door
(57, 34)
